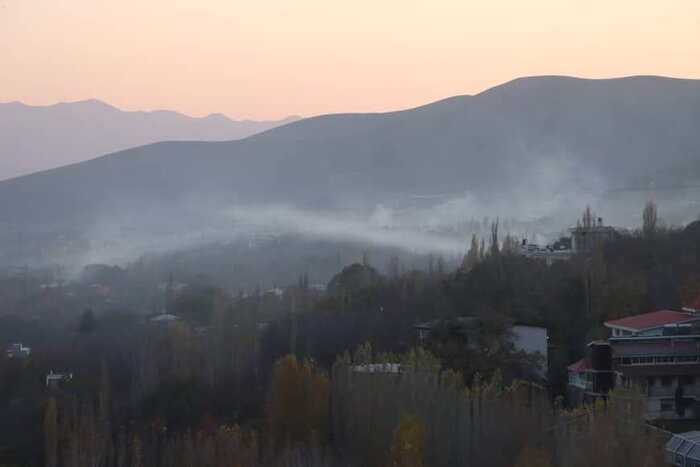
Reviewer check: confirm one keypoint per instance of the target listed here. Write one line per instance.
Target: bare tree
(649, 218)
(494, 238)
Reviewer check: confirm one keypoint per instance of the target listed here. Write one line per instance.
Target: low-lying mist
(545, 197)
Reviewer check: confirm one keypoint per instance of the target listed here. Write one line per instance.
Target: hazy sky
(272, 58)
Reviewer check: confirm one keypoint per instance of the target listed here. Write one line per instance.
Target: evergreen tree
(472, 256)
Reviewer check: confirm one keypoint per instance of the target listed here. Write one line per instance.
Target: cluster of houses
(582, 239)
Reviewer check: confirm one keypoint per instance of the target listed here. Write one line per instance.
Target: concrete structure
(18, 351)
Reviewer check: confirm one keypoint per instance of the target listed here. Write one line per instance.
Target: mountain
(532, 148)
(34, 138)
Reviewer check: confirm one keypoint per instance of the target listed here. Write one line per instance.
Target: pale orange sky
(267, 59)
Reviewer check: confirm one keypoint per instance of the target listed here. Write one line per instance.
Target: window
(666, 405)
(685, 380)
(666, 380)
(625, 361)
(687, 359)
(664, 360)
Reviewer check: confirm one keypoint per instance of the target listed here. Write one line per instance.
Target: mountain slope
(34, 138)
(532, 137)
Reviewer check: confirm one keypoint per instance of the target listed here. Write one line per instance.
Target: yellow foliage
(532, 457)
(408, 446)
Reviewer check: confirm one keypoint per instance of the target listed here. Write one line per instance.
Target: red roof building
(648, 323)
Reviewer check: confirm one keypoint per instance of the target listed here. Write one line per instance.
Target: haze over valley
(368, 233)
(532, 152)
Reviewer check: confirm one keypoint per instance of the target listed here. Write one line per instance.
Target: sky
(267, 59)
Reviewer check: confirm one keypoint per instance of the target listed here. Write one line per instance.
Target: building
(164, 318)
(683, 449)
(18, 351)
(53, 379)
(548, 254)
(656, 323)
(529, 338)
(377, 368)
(584, 238)
(657, 353)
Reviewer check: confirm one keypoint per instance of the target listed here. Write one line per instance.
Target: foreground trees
(377, 409)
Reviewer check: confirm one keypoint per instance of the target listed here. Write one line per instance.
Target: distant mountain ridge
(34, 138)
(518, 146)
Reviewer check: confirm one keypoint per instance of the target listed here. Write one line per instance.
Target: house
(18, 351)
(655, 323)
(377, 368)
(164, 318)
(657, 353)
(584, 238)
(547, 254)
(683, 449)
(529, 338)
(53, 379)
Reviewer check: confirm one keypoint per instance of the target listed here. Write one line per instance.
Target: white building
(18, 351)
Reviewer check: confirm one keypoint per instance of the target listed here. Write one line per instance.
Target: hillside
(526, 148)
(34, 138)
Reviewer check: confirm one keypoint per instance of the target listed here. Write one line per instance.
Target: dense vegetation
(268, 378)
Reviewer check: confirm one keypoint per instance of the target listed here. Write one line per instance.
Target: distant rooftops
(651, 320)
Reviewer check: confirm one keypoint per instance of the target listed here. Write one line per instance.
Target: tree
(287, 400)
(511, 245)
(51, 434)
(408, 447)
(649, 219)
(318, 404)
(87, 322)
(472, 256)
(494, 238)
(299, 402)
(588, 219)
(532, 457)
